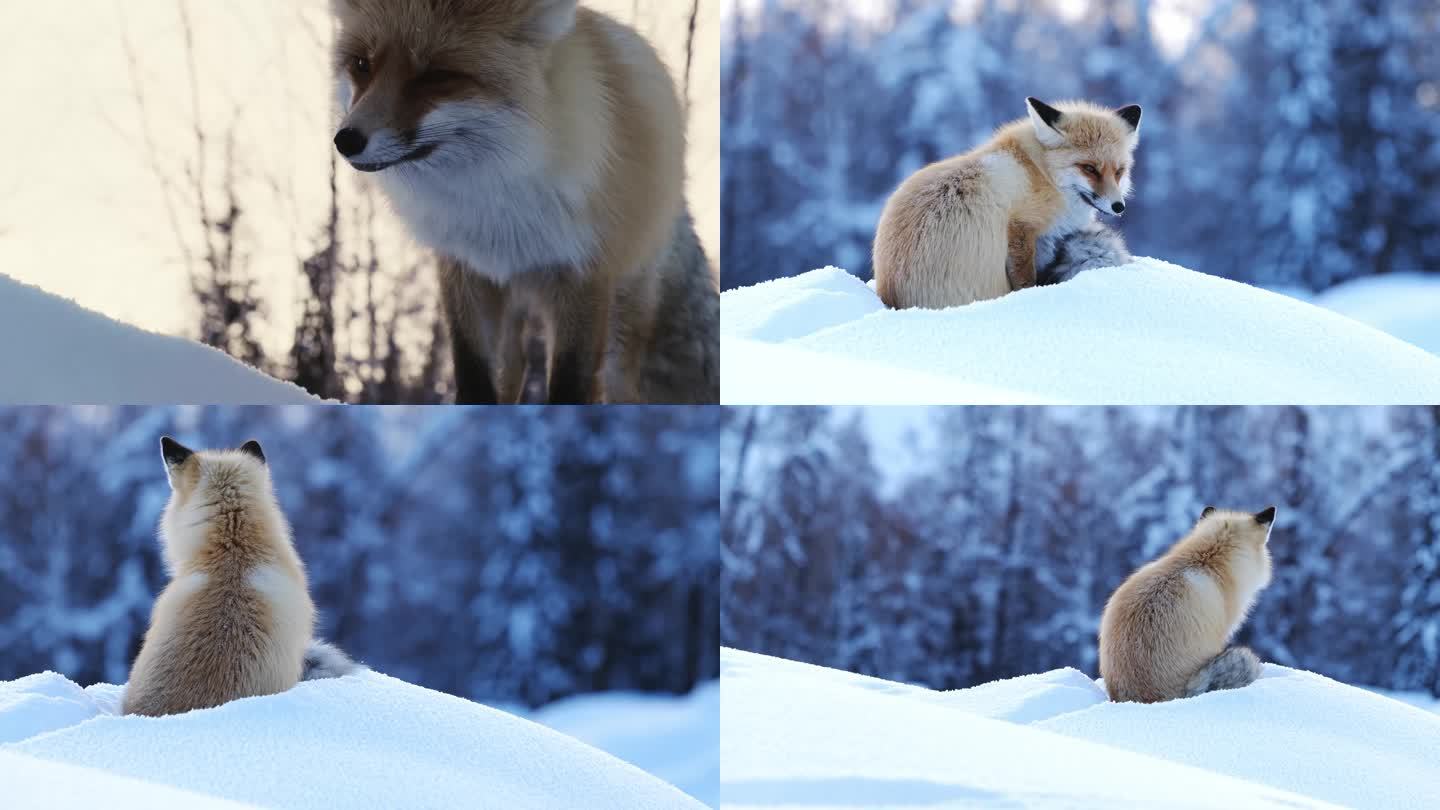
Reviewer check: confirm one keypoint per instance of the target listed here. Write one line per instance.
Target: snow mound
(792, 735)
(52, 351)
(676, 739)
(364, 740)
(1406, 305)
(31, 782)
(1147, 332)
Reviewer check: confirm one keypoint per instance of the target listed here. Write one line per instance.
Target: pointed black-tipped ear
(1048, 115)
(1265, 516)
(252, 448)
(1204, 513)
(174, 452)
(1131, 114)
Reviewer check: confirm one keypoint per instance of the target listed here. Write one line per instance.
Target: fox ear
(252, 448)
(550, 21)
(1206, 512)
(173, 454)
(1044, 118)
(1131, 114)
(1266, 516)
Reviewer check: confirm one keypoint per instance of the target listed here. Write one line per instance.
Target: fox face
(1089, 150)
(435, 82)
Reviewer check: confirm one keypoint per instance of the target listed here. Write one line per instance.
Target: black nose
(1118, 207)
(350, 142)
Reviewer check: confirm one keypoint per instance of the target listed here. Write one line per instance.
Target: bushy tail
(1232, 669)
(1091, 247)
(325, 660)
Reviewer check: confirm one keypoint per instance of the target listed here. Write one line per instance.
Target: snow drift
(795, 734)
(1146, 332)
(365, 740)
(676, 739)
(54, 352)
(1406, 305)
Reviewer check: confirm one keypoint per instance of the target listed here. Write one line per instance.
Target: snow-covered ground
(1144, 333)
(1406, 305)
(365, 740)
(676, 739)
(54, 352)
(798, 735)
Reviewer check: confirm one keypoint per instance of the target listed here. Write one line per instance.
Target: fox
(537, 148)
(1164, 631)
(968, 228)
(236, 618)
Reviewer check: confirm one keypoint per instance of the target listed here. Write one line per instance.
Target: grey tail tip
(1234, 668)
(325, 660)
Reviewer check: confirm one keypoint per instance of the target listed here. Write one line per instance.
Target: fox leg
(1020, 255)
(582, 331)
(574, 309)
(472, 313)
(531, 346)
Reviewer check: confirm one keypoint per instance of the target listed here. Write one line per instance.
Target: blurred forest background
(185, 182)
(1286, 143)
(511, 556)
(956, 546)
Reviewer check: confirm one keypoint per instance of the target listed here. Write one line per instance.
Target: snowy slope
(794, 734)
(676, 739)
(366, 740)
(32, 782)
(54, 352)
(1147, 332)
(1406, 305)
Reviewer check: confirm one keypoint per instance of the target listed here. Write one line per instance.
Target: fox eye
(1089, 168)
(1120, 172)
(360, 66)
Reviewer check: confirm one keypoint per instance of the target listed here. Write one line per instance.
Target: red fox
(1164, 630)
(965, 229)
(538, 149)
(236, 618)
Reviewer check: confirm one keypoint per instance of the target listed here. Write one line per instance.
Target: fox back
(1174, 615)
(236, 617)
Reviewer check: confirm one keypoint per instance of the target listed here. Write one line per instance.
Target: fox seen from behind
(969, 228)
(236, 618)
(537, 148)
(1164, 630)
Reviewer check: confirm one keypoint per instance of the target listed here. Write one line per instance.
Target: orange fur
(577, 267)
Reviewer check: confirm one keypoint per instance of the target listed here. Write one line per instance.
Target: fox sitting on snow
(1016, 211)
(1164, 630)
(236, 618)
(538, 149)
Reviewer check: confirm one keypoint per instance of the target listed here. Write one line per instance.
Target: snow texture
(794, 734)
(54, 352)
(365, 740)
(1148, 332)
